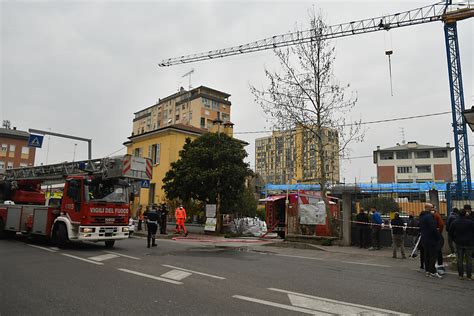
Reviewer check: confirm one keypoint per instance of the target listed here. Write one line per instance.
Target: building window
(138, 152)
(23, 165)
(10, 165)
(25, 150)
(2, 165)
(12, 148)
(402, 154)
(387, 155)
(422, 154)
(207, 103)
(404, 169)
(4, 147)
(203, 122)
(440, 153)
(423, 169)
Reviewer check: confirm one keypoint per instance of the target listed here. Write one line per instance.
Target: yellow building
(291, 156)
(160, 131)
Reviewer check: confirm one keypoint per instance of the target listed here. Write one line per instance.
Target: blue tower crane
(444, 11)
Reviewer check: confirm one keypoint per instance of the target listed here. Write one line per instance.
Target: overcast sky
(83, 68)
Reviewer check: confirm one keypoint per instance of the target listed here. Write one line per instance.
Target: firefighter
(152, 216)
(180, 215)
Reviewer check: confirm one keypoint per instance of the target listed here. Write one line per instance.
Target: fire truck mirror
(73, 191)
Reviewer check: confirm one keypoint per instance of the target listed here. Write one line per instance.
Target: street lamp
(469, 117)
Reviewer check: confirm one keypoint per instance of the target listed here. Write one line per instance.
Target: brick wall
(443, 172)
(385, 174)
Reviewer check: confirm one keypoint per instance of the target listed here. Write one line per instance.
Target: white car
(131, 227)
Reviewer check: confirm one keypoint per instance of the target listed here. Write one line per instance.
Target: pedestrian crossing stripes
(176, 275)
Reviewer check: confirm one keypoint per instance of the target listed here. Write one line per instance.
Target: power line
(369, 122)
(115, 151)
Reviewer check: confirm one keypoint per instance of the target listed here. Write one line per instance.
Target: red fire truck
(94, 204)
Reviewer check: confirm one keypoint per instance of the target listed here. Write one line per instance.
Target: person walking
(164, 218)
(152, 216)
(398, 233)
(362, 224)
(376, 226)
(180, 215)
(451, 218)
(430, 241)
(462, 232)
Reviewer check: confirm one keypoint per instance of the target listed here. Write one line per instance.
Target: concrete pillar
(346, 219)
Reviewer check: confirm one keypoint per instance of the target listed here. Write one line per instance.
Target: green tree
(209, 167)
(384, 205)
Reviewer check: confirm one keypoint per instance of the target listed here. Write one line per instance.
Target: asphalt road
(191, 278)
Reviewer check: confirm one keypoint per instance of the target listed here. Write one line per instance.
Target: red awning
(272, 198)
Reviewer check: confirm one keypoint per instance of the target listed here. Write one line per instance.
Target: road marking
(176, 275)
(126, 256)
(43, 248)
(301, 257)
(333, 306)
(150, 276)
(195, 272)
(104, 257)
(82, 259)
(367, 264)
(54, 248)
(283, 306)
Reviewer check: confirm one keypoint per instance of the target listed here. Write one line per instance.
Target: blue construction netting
(363, 187)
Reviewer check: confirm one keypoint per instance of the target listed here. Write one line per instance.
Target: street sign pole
(88, 140)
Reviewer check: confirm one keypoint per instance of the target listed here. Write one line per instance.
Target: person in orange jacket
(180, 215)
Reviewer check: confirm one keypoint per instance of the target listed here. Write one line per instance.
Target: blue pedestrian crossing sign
(35, 140)
(145, 184)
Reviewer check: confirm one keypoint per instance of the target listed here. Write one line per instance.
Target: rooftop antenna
(189, 73)
(402, 130)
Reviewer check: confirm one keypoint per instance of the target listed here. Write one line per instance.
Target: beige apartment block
(291, 157)
(198, 107)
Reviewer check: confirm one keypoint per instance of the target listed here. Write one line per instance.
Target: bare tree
(306, 96)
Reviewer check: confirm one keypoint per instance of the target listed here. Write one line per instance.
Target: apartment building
(291, 156)
(14, 150)
(198, 107)
(413, 162)
(160, 131)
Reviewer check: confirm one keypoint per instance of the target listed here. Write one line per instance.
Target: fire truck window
(106, 191)
(73, 190)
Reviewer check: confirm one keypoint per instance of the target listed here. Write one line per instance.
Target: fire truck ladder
(61, 170)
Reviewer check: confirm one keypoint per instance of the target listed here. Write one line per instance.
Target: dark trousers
(363, 232)
(440, 251)
(139, 225)
(152, 228)
(451, 244)
(163, 225)
(431, 252)
(422, 255)
(376, 236)
(461, 253)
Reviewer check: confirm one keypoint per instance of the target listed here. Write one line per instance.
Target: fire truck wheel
(109, 243)
(60, 235)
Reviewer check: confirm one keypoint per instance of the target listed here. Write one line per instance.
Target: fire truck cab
(94, 204)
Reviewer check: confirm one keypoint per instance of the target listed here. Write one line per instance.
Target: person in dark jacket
(451, 218)
(462, 232)
(362, 224)
(164, 218)
(430, 240)
(152, 217)
(412, 229)
(398, 233)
